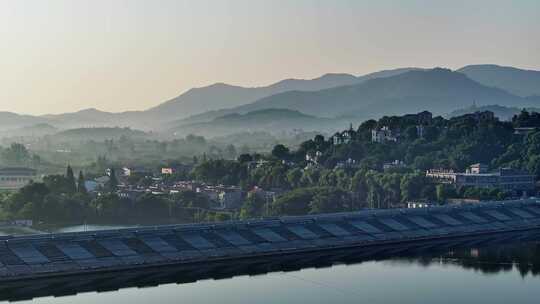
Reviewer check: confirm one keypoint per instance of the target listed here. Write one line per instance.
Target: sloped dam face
(364, 234)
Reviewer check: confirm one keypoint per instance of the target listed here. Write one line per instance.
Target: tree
(152, 206)
(253, 206)
(81, 187)
(411, 185)
(319, 141)
(423, 163)
(328, 179)
(411, 133)
(112, 185)
(58, 184)
(280, 152)
(310, 177)
(230, 152)
(191, 199)
(533, 165)
(245, 158)
(70, 180)
(16, 155)
(359, 187)
(375, 193)
(295, 202)
(444, 192)
(329, 200)
(294, 176)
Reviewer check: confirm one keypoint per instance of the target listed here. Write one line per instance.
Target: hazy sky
(114, 55)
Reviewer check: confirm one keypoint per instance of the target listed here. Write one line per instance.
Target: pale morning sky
(115, 55)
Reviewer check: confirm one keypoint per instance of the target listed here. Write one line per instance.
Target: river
(498, 274)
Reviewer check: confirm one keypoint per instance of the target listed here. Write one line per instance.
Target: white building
(383, 134)
(15, 178)
(477, 175)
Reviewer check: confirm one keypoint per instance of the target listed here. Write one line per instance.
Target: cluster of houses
(386, 134)
(222, 197)
(423, 119)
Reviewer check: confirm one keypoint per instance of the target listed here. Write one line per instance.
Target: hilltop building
(477, 116)
(384, 134)
(344, 137)
(422, 119)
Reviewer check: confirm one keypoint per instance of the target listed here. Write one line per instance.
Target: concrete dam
(24, 259)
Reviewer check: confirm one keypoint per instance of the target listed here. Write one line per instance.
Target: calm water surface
(491, 277)
(509, 274)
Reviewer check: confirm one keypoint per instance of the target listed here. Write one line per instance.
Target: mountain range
(336, 97)
(515, 81)
(222, 96)
(267, 120)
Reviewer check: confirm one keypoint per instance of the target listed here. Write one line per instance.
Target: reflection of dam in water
(487, 253)
(59, 264)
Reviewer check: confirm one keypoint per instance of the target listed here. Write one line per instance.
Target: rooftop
(17, 171)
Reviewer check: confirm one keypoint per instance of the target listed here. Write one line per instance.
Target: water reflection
(492, 259)
(489, 256)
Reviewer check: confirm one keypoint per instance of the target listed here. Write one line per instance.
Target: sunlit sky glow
(115, 55)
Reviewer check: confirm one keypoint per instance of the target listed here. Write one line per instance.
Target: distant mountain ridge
(516, 81)
(222, 96)
(193, 102)
(332, 95)
(437, 90)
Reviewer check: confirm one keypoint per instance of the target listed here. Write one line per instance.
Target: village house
(396, 164)
(344, 137)
(384, 134)
(16, 177)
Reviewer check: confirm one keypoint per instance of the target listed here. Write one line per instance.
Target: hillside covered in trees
(379, 164)
(351, 170)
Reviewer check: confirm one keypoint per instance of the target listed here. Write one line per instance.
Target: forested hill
(453, 143)
(348, 170)
(516, 81)
(437, 90)
(501, 112)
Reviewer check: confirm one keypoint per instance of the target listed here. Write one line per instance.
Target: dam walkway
(53, 255)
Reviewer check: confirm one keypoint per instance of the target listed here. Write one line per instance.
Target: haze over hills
(222, 96)
(84, 118)
(97, 134)
(516, 81)
(437, 90)
(272, 121)
(397, 91)
(9, 120)
(37, 130)
(195, 101)
(301, 85)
